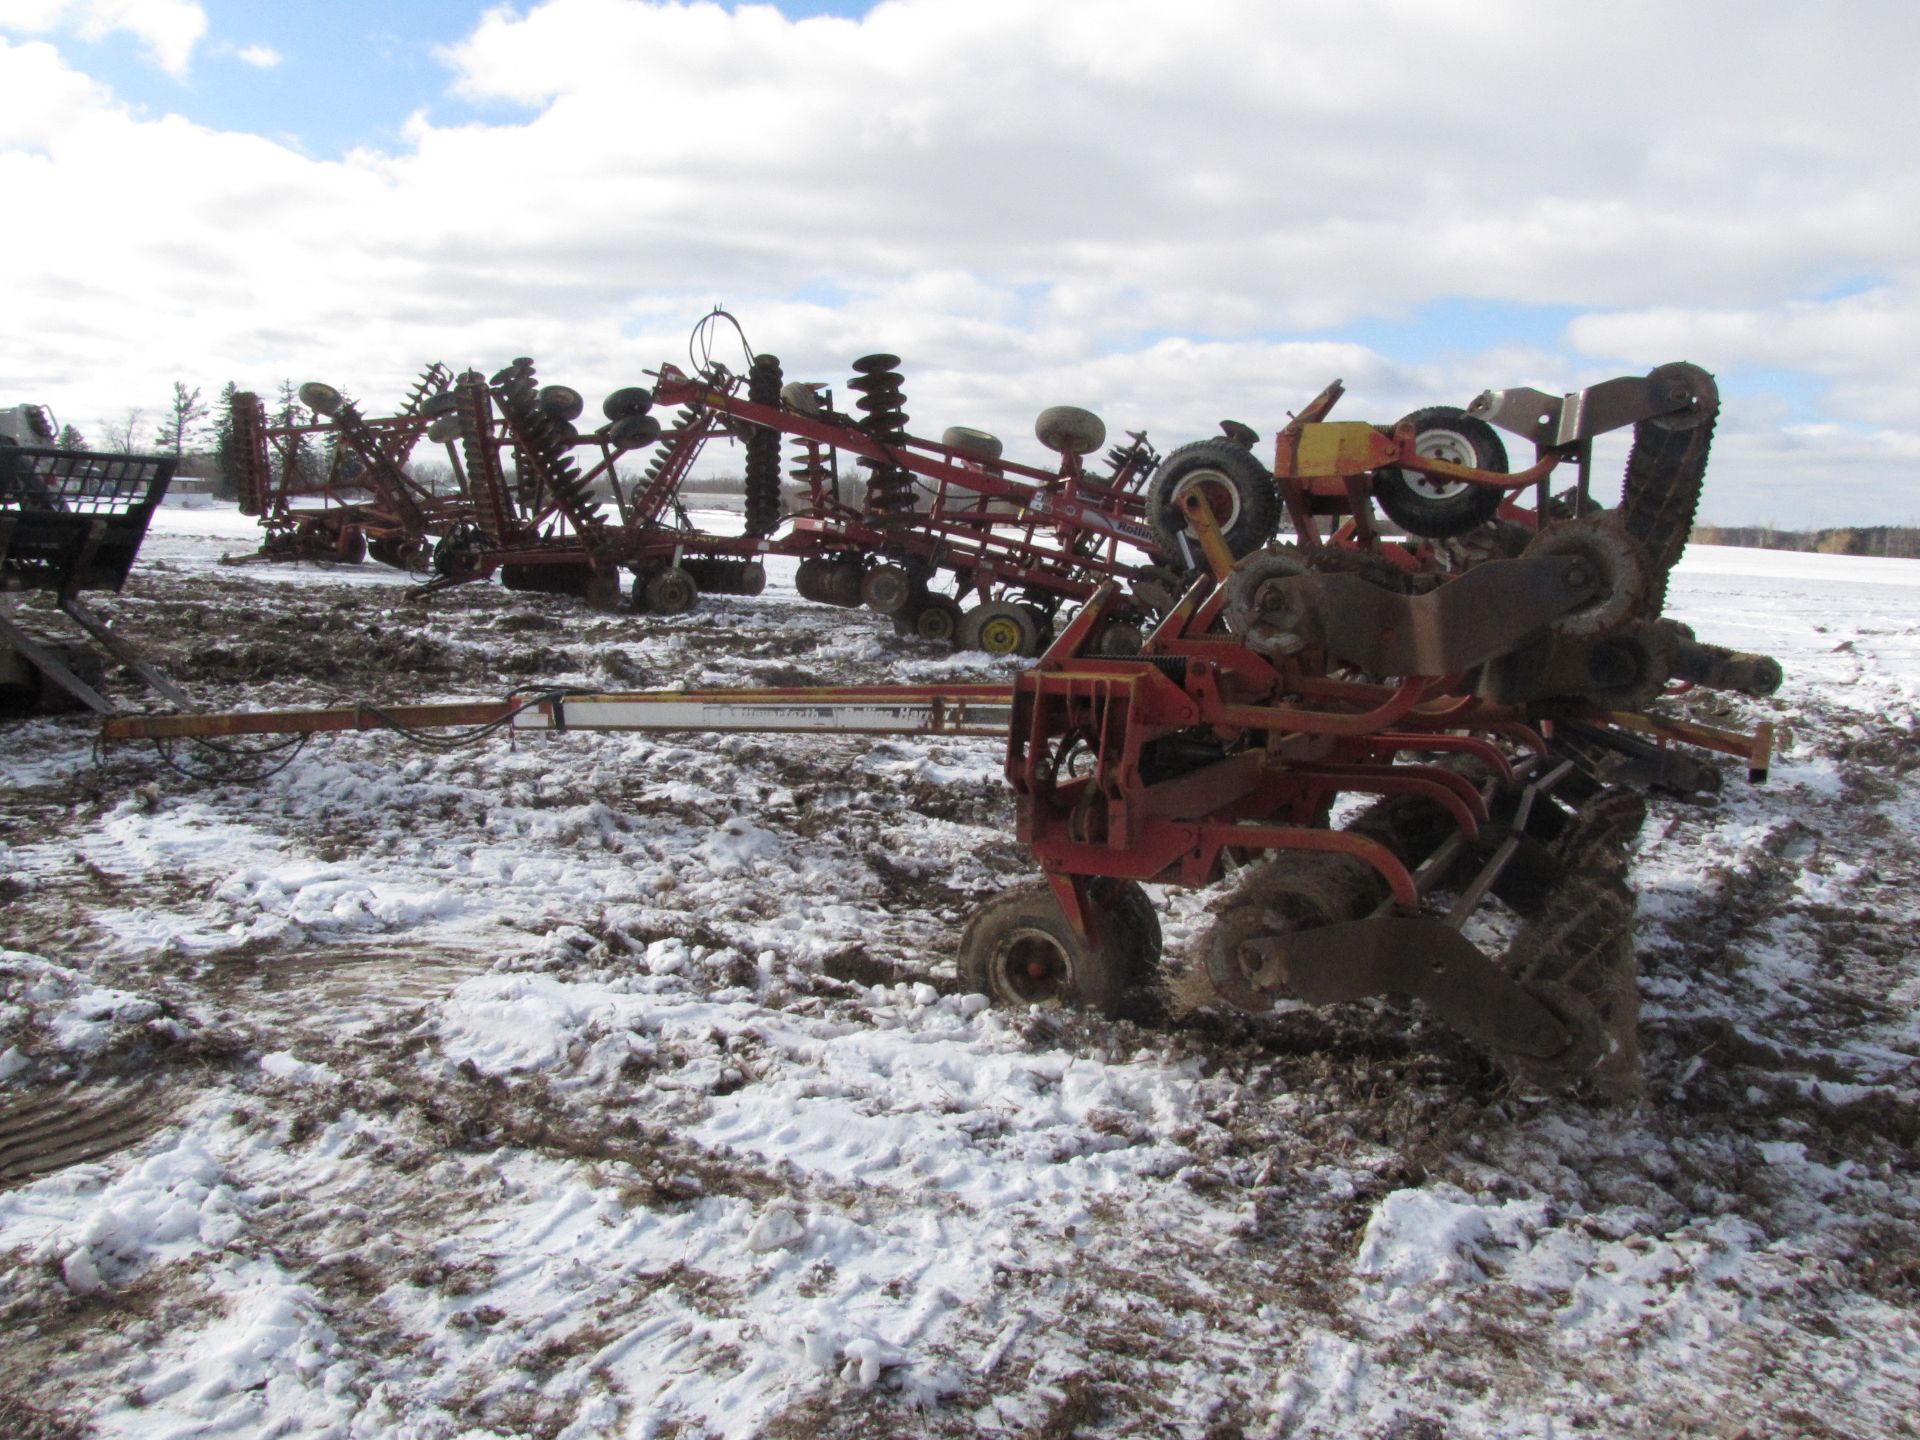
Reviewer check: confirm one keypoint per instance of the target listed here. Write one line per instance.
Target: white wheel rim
(1213, 481)
(1450, 446)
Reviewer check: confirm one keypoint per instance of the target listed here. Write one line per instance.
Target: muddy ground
(391, 1001)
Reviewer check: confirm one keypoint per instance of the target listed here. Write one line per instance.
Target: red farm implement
(1363, 748)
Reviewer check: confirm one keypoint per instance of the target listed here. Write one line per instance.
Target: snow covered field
(620, 1086)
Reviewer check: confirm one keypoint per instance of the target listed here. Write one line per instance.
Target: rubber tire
(939, 620)
(1251, 519)
(1070, 430)
(671, 591)
(1026, 926)
(973, 444)
(629, 400)
(441, 402)
(353, 546)
(443, 429)
(634, 432)
(561, 403)
(1440, 517)
(321, 398)
(1000, 627)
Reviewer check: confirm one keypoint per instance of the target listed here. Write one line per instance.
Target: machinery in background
(70, 521)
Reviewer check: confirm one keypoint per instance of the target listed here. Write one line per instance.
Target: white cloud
(1110, 202)
(169, 29)
(261, 57)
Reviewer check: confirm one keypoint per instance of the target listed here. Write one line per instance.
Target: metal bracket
(1555, 422)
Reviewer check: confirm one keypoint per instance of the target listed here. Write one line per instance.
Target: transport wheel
(753, 577)
(974, 444)
(887, 589)
(631, 400)
(1119, 638)
(443, 429)
(561, 402)
(320, 398)
(1238, 488)
(671, 591)
(1432, 506)
(441, 402)
(938, 620)
(1018, 949)
(1070, 430)
(634, 432)
(1000, 627)
(353, 546)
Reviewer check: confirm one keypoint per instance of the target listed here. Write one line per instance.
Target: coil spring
(890, 493)
(518, 392)
(763, 450)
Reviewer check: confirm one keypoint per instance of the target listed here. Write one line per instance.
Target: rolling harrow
(1478, 725)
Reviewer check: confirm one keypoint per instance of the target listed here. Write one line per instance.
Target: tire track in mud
(45, 1131)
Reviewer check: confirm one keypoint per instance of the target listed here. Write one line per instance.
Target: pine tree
(299, 452)
(71, 439)
(182, 423)
(226, 463)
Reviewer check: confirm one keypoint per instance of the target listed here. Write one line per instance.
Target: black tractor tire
(1240, 490)
(561, 403)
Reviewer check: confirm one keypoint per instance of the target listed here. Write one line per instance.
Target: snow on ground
(610, 1085)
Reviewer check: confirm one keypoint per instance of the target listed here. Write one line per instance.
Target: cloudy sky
(1170, 211)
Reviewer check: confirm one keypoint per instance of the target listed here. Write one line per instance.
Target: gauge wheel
(1019, 950)
(671, 591)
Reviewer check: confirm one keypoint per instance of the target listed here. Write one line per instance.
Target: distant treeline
(1899, 541)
